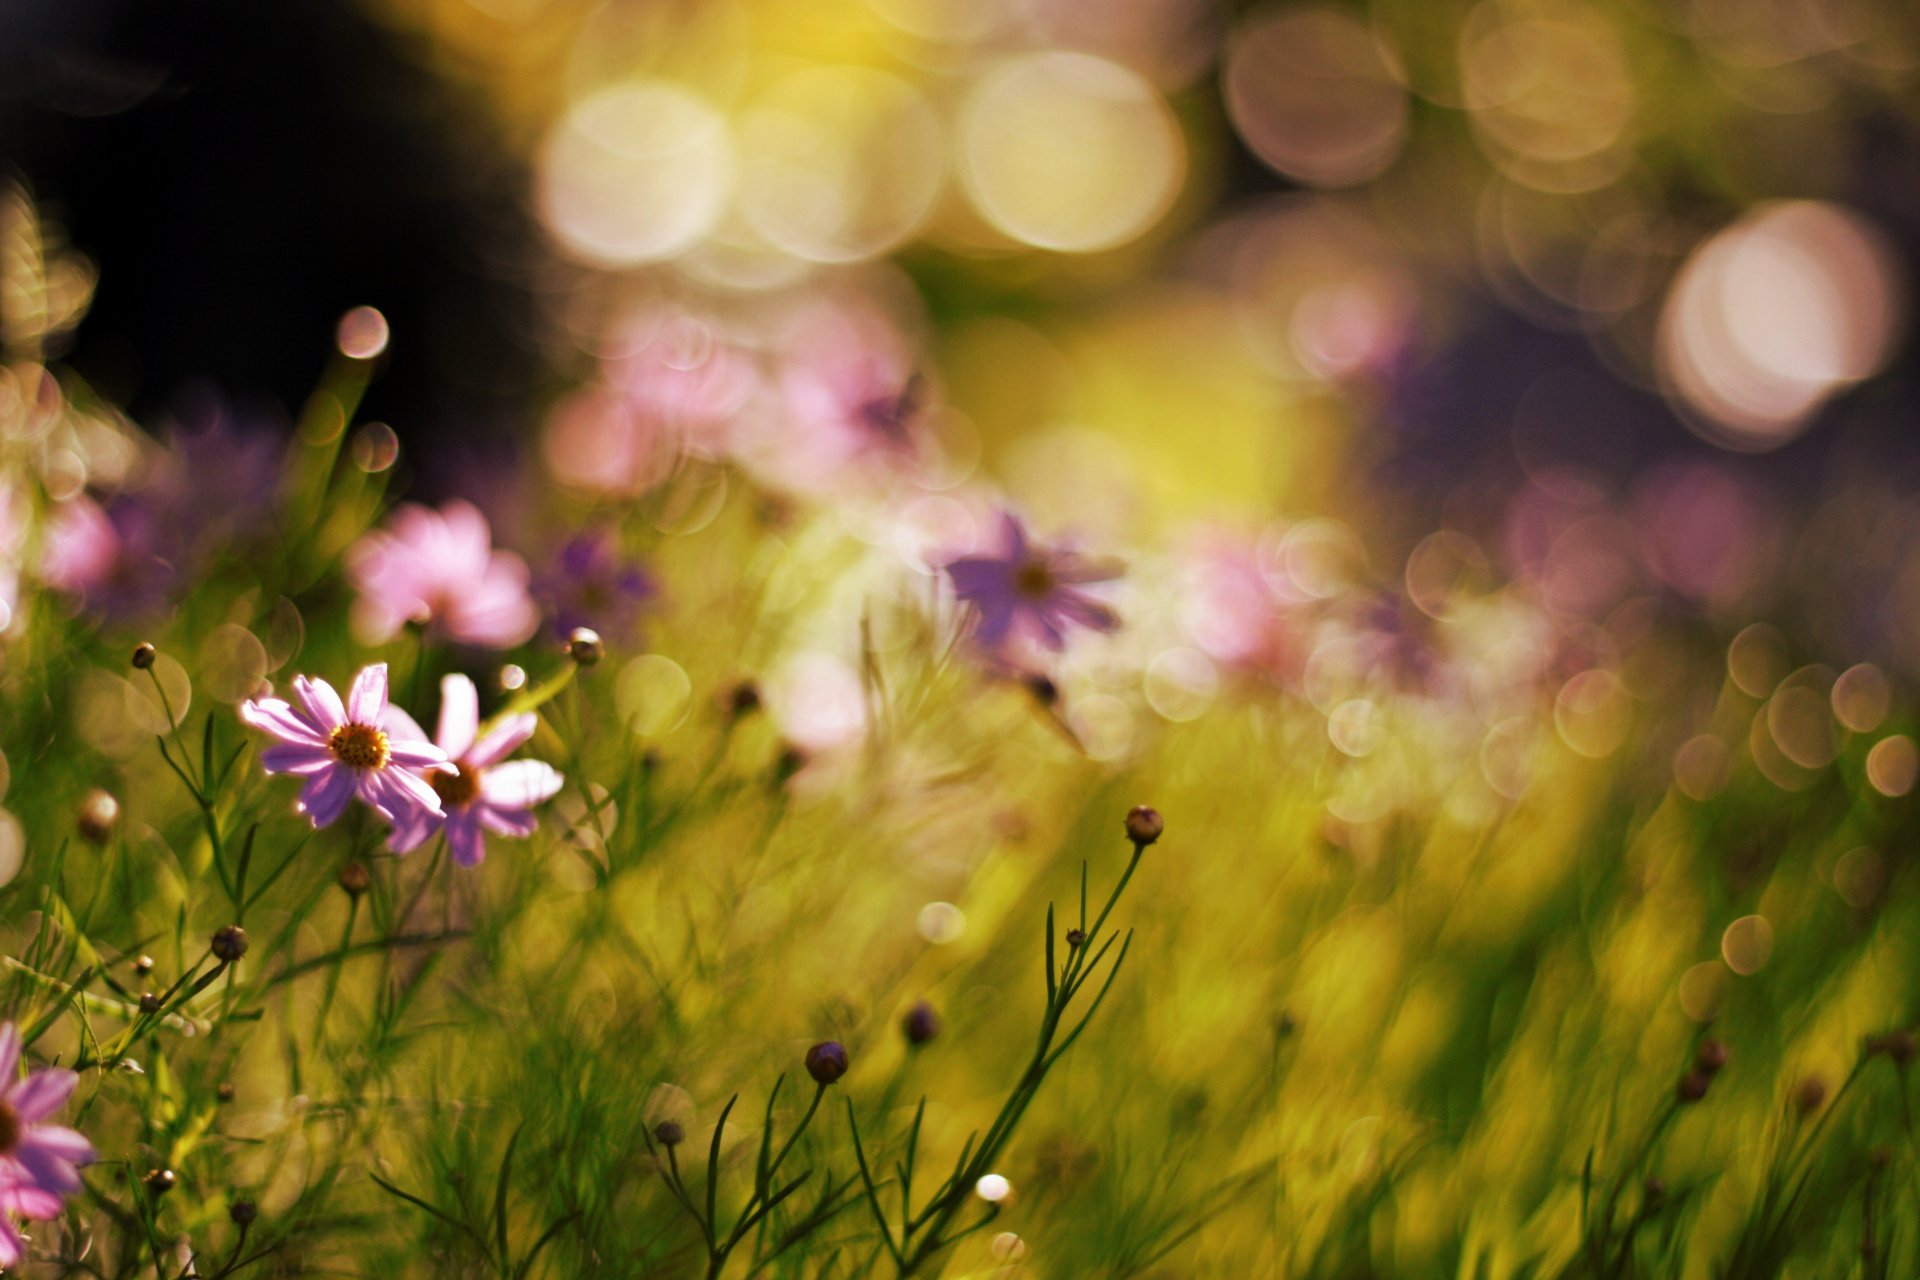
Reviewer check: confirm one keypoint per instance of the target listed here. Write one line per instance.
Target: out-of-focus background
(1619, 289)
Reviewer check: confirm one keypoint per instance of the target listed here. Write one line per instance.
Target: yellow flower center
(1034, 580)
(456, 789)
(359, 746)
(11, 1130)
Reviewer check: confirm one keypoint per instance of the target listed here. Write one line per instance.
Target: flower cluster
(367, 747)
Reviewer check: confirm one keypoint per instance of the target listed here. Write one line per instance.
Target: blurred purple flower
(1027, 592)
(592, 585)
(482, 794)
(219, 479)
(119, 558)
(37, 1161)
(440, 568)
(360, 747)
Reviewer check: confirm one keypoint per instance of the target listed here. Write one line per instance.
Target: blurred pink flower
(37, 1160)
(1237, 614)
(481, 794)
(360, 747)
(1029, 593)
(440, 568)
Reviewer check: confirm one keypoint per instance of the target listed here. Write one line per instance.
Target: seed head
(921, 1024)
(143, 656)
(159, 1181)
(827, 1061)
(243, 1211)
(96, 816)
(355, 878)
(585, 647)
(668, 1133)
(1144, 825)
(229, 943)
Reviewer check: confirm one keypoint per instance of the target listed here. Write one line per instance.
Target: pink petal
(41, 1094)
(413, 830)
(296, 757)
(459, 715)
(27, 1200)
(398, 793)
(464, 841)
(323, 705)
(368, 697)
(401, 726)
(326, 796)
(12, 1247)
(520, 784)
(507, 822)
(47, 1169)
(271, 715)
(60, 1142)
(9, 1053)
(416, 755)
(503, 739)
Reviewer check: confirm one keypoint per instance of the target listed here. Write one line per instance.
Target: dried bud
(159, 1181)
(1710, 1056)
(668, 1133)
(243, 1212)
(143, 656)
(149, 1002)
(1075, 937)
(1693, 1085)
(355, 879)
(585, 647)
(1144, 825)
(143, 965)
(1809, 1094)
(96, 816)
(743, 699)
(224, 1091)
(921, 1023)
(229, 943)
(827, 1061)
(1897, 1045)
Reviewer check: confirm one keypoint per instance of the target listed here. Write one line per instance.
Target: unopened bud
(355, 879)
(1809, 1094)
(97, 815)
(1710, 1056)
(229, 943)
(921, 1024)
(243, 1212)
(1144, 825)
(149, 1002)
(159, 1181)
(1694, 1084)
(827, 1061)
(668, 1133)
(143, 656)
(585, 647)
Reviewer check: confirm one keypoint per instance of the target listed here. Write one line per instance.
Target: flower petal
(296, 757)
(414, 829)
(518, 823)
(274, 716)
(326, 796)
(322, 704)
(48, 1170)
(60, 1142)
(465, 842)
(520, 784)
(459, 715)
(417, 755)
(502, 740)
(12, 1247)
(399, 725)
(9, 1054)
(368, 697)
(41, 1094)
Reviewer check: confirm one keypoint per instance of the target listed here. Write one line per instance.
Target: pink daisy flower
(1030, 593)
(483, 794)
(38, 1162)
(360, 747)
(440, 568)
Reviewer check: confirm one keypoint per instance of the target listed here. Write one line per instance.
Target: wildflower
(229, 943)
(1029, 592)
(592, 585)
(1144, 825)
(440, 568)
(827, 1061)
(481, 794)
(37, 1161)
(348, 749)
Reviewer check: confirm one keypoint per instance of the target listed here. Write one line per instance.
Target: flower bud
(1144, 825)
(224, 1091)
(585, 647)
(355, 879)
(827, 1061)
(1897, 1045)
(743, 699)
(97, 815)
(159, 1181)
(143, 656)
(1044, 690)
(143, 965)
(921, 1023)
(1693, 1085)
(1710, 1056)
(229, 943)
(1809, 1094)
(1076, 937)
(149, 1002)
(668, 1133)
(243, 1212)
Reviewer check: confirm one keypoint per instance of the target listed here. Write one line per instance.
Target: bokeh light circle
(1069, 152)
(1312, 94)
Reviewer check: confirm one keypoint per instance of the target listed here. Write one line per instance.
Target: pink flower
(1030, 593)
(37, 1161)
(440, 568)
(482, 794)
(362, 747)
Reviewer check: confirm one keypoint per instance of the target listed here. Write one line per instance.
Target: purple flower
(482, 794)
(37, 1161)
(361, 747)
(440, 568)
(1030, 593)
(120, 557)
(592, 585)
